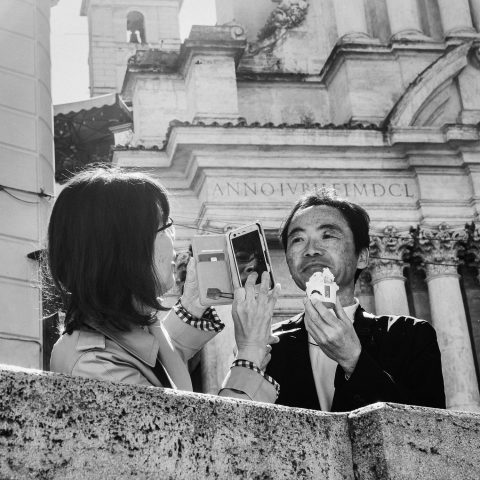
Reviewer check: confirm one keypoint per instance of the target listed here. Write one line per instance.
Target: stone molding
(386, 254)
(58, 426)
(444, 69)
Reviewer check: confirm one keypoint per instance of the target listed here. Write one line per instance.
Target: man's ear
(363, 257)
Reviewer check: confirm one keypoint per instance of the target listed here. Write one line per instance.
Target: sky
(69, 44)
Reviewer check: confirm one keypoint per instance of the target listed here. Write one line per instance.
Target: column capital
(386, 270)
(438, 249)
(387, 249)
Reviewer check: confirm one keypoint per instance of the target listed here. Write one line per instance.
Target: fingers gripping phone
(225, 261)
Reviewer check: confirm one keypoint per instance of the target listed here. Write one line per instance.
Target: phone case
(213, 269)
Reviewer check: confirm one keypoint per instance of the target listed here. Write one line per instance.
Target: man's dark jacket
(400, 362)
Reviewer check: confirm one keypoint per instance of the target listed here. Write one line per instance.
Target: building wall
(26, 163)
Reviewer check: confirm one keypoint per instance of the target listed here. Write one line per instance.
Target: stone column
(456, 18)
(440, 254)
(208, 63)
(351, 21)
(386, 268)
(404, 18)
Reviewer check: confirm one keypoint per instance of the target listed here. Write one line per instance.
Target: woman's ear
(363, 258)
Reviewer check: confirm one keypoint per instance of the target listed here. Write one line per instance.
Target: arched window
(136, 28)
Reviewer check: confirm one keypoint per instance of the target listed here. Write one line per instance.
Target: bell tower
(118, 28)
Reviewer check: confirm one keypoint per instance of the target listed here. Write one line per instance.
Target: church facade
(378, 99)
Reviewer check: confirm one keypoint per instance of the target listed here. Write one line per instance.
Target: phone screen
(249, 255)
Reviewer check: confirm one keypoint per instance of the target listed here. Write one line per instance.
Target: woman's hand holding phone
(252, 316)
(191, 297)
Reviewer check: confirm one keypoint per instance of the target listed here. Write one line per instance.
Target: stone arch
(136, 27)
(427, 97)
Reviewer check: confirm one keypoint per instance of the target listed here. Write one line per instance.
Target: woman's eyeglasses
(166, 226)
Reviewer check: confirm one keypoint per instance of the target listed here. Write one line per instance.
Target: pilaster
(208, 63)
(456, 19)
(404, 19)
(351, 21)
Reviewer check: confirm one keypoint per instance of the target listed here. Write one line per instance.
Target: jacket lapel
(363, 324)
(174, 365)
(292, 367)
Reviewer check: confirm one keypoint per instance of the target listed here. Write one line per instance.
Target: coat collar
(138, 342)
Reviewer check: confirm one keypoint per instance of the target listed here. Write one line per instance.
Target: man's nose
(314, 248)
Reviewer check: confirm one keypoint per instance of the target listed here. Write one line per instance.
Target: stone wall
(59, 427)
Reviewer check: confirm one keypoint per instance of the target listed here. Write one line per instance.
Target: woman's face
(164, 258)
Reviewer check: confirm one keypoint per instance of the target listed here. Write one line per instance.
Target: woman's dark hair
(101, 246)
(357, 218)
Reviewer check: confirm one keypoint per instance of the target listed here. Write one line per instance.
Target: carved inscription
(280, 189)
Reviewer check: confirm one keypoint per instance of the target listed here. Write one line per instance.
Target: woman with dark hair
(111, 255)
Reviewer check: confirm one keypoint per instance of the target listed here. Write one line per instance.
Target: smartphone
(213, 269)
(249, 253)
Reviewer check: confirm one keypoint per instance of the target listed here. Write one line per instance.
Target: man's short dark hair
(356, 216)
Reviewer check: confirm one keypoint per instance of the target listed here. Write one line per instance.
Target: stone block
(24, 59)
(21, 307)
(24, 352)
(18, 167)
(20, 17)
(18, 129)
(14, 263)
(399, 442)
(59, 427)
(17, 91)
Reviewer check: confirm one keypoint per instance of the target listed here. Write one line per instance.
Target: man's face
(320, 237)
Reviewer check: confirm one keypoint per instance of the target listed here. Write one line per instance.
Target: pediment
(447, 92)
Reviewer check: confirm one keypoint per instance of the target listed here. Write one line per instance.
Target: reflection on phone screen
(249, 255)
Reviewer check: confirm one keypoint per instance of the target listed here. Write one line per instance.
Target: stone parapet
(59, 427)
(408, 443)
